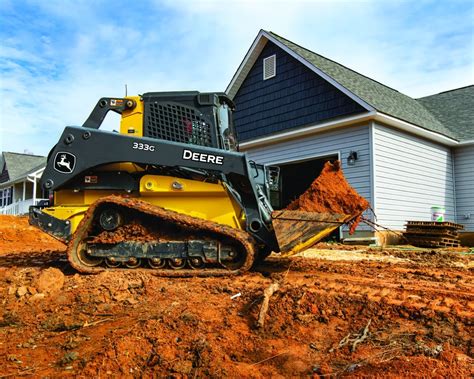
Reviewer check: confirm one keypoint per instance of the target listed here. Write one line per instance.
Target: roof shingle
(455, 109)
(426, 113)
(19, 165)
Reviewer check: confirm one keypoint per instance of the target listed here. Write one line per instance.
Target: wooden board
(434, 224)
(432, 241)
(432, 232)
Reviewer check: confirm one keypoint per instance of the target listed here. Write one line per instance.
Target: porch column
(24, 189)
(34, 191)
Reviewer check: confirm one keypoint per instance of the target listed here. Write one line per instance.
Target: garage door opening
(295, 178)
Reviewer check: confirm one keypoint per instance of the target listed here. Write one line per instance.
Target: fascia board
(414, 129)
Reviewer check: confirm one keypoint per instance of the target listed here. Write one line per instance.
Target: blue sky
(57, 58)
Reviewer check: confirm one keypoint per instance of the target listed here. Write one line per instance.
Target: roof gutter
(347, 121)
(13, 182)
(466, 143)
(29, 176)
(408, 127)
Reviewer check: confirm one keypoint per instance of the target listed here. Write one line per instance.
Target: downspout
(454, 186)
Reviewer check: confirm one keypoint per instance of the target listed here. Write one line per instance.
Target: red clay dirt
(393, 313)
(17, 236)
(331, 193)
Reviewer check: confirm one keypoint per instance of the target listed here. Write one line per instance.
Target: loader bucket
(298, 230)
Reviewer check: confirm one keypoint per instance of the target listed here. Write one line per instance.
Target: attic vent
(269, 67)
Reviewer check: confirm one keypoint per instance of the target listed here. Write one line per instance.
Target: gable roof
(455, 109)
(371, 94)
(20, 165)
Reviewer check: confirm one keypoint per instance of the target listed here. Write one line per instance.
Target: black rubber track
(243, 240)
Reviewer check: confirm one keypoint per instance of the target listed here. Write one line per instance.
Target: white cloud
(75, 53)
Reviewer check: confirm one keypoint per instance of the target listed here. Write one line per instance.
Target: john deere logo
(64, 162)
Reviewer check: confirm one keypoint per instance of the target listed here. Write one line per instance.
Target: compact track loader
(169, 192)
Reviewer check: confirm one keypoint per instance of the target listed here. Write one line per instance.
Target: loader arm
(103, 106)
(80, 150)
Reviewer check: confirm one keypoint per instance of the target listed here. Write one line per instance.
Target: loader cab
(191, 117)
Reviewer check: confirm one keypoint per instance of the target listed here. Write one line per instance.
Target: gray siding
(464, 184)
(340, 141)
(411, 175)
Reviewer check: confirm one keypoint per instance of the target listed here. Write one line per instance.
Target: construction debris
(354, 339)
(267, 293)
(433, 234)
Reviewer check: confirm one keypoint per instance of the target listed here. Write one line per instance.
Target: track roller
(177, 263)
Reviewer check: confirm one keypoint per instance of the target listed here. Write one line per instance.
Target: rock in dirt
(21, 291)
(50, 281)
(36, 297)
(183, 367)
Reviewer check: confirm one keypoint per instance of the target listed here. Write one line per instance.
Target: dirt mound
(16, 235)
(331, 193)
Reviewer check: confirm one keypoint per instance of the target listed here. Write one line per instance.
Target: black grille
(175, 122)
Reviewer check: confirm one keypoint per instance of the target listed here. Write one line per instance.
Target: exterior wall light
(351, 158)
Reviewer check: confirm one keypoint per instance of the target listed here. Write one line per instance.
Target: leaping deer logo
(64, 162)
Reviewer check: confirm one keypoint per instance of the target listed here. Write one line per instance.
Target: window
(269, 67)
(6, 197)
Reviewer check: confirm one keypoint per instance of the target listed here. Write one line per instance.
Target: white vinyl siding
(340, 141)
(464, 184)
(411, 176)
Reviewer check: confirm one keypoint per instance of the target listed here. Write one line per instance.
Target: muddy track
(190, 225)
(449, 292)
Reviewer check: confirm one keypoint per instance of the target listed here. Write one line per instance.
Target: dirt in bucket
(331, 193)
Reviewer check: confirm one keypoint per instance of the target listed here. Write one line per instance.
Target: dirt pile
(17, 235)
(331, 193)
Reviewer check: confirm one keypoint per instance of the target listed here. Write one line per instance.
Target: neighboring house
(19, 177)
(297, 109)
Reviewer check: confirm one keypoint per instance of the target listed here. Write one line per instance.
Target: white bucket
(437, 214)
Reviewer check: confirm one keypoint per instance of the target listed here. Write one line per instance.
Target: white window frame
(265, 77)
(5, 196)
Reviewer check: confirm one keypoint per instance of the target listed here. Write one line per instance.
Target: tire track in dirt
(385, 283)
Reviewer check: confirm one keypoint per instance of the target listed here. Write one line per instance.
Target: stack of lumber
(433, 234)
